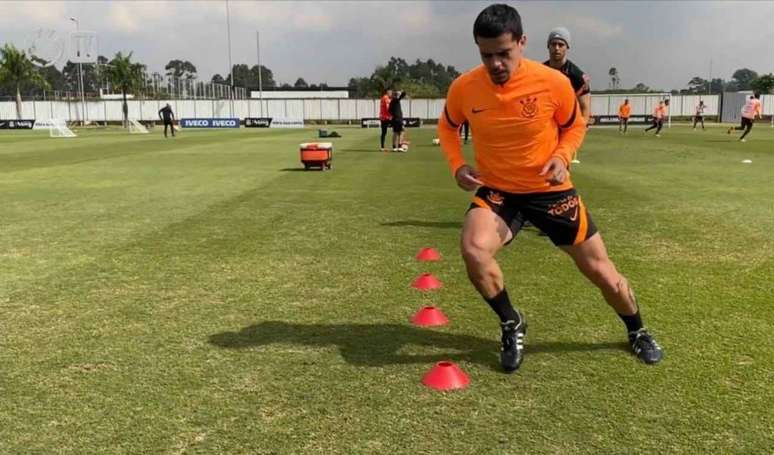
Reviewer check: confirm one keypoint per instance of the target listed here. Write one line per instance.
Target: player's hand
(468, 178)
(555, 171)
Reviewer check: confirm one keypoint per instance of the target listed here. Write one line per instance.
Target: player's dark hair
(497, 19)
(757, 96)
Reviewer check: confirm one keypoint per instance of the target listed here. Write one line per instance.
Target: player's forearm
(450, 144)
(570, 140)
(584, 102)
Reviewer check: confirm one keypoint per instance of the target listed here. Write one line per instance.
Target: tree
(285, 85)
(764, 84)
(15, 70)
(70, 75)
(416, 89)
(420, 79)
(218, 79)
(126, 76)
(180, 69)
(53, 77)
(247, 77)
(382, 79)
(241, 75)
(91, 75)
(731, 86)
(300, 83)
(641, 88)
(614, 79)
(744, 77)
(359, 87)
(267, 77)
(717, 85)
(154, 80)
(697, 85)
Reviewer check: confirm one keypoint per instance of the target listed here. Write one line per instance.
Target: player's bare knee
(613, 283)
(602, 274)
(475, 251)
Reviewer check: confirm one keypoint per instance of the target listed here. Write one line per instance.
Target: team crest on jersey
(529, 107)
(495, 198)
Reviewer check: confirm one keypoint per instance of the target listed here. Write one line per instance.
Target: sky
(661, 44)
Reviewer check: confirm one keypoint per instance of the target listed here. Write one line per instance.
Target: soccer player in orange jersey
(624, 112)
(750, 110)
(659, 115)
(528, 125)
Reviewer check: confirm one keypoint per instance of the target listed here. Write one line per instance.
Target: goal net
(59, 128)
(136, 127)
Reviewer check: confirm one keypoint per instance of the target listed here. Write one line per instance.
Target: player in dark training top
(168, 117)
(558, 45)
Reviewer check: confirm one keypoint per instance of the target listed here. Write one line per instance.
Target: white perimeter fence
(344, 109)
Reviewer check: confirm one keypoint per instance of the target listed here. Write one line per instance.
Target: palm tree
(16, 69)
(126, 76)
(614, 79)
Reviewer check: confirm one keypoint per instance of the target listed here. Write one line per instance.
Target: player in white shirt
(699, 115)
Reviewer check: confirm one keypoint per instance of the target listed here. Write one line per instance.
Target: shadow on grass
(380, 344)
(298, 169)
(419, 223)
(558, 347)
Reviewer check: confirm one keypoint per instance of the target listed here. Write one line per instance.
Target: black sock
(501, 305)
(633, 322)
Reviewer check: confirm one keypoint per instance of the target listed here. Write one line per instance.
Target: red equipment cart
(317, 154)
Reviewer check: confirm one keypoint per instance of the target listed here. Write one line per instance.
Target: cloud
(597, 27)
(661, 44)
(124, 19)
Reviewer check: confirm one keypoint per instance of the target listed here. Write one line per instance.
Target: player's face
(501, 55)
(557, 50)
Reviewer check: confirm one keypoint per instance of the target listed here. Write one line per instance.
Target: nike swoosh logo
(575, 216)
(476, 111)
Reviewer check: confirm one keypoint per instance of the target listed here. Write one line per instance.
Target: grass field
(203, 295)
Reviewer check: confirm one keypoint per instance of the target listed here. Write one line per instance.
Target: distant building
(105, 95)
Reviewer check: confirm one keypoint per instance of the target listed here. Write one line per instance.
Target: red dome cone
(446, 376)
(425, 282)
(429, 255)
(429, 316)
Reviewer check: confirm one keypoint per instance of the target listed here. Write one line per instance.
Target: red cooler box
(317, 154)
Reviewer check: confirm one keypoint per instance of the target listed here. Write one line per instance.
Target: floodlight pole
(709, 84)
(230, 65)
(260, 83)
(80, 77)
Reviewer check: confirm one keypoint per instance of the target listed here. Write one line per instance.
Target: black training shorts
(561, 215)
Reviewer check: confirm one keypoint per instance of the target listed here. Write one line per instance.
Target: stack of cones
(443, 375)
